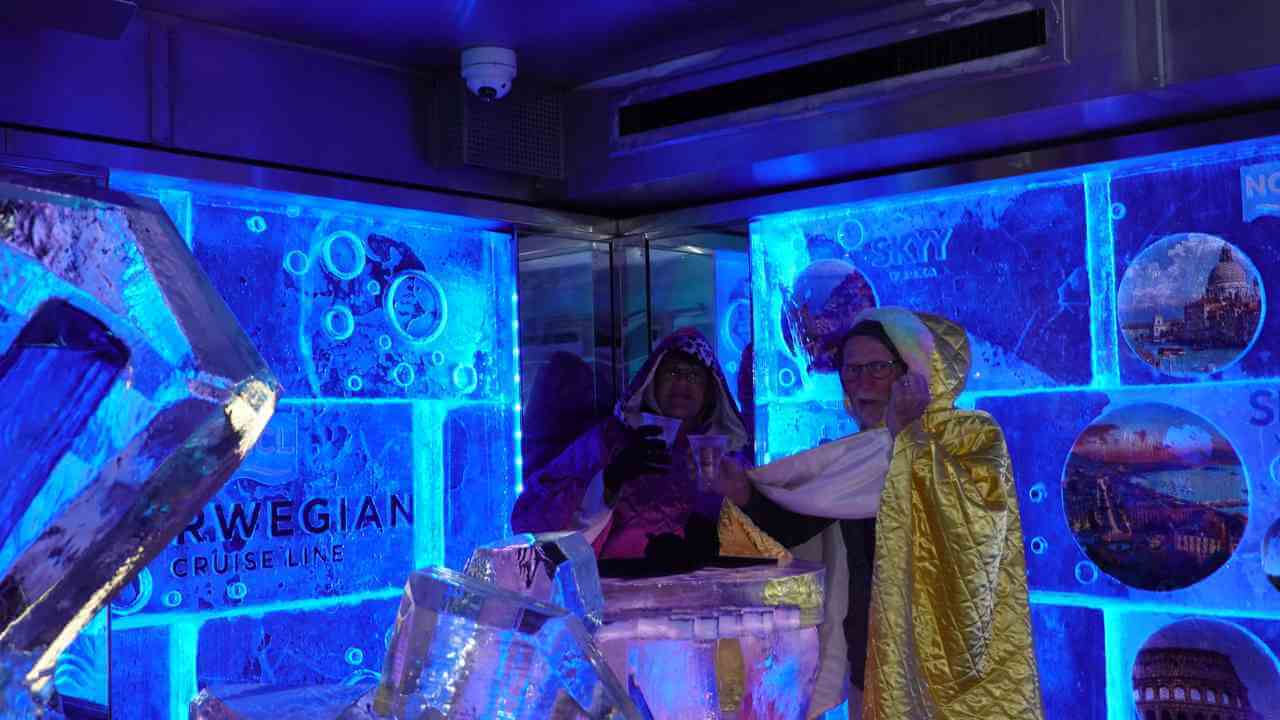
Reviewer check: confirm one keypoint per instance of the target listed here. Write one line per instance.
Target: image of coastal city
(1205, 670)
(1155, 496)
(825, 298)
(1190, 304)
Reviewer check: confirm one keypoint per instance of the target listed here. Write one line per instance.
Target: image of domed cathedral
(1227, 314)
(1190, 304)
(1171, 683)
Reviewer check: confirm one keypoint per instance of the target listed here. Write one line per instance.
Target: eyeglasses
(876, 370)
(691, 375)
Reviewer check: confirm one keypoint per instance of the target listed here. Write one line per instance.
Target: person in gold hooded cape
(949, 631)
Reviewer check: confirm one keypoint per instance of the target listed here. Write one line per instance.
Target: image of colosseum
(1172, 683)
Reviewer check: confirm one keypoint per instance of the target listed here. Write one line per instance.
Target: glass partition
(592, 311)
(566, 342)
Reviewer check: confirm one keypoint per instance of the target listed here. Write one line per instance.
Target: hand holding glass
(708, 450)
(669, 426)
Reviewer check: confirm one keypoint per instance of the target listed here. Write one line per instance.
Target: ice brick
(961, 253)
(153, 671)
(1198, 645)
(1041, 430)
(113, 337)
(479, 486)
(323, 506)
(1070, 646)
(362, 302)
(554, 568)
(1220, 192)
(343, 644)
(465, 648)
(255, 702)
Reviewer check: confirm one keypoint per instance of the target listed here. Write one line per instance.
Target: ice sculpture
(718, 642)
(554, 568)
(139, 393)
(464, 648)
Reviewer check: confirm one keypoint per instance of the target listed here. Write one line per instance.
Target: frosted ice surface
(554, 568)
(17, 700)
(308, 702)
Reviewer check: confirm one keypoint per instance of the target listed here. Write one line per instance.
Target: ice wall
(1120, 332)
(394, 446)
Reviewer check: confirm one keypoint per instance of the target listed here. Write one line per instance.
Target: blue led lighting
(1100, 256)
(410, 310)
(391, 449)
(134, 622)
(1031, 268)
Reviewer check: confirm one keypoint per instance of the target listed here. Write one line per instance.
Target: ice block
(130, 394)
(554, 568)
(464, 648)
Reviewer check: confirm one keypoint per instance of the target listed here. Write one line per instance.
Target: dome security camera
(489, 71)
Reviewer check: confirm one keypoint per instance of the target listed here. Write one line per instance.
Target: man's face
(681, 386)
(867, 376)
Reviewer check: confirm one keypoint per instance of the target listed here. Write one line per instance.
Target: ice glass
(707, 453)
(669, 426)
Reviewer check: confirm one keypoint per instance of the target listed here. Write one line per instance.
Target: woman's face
(681, 386)
(867, 376)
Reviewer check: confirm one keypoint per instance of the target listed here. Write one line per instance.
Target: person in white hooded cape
(823, 502)
(937, 622)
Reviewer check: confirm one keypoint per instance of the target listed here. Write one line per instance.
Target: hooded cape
(950, 632)
(567, 494)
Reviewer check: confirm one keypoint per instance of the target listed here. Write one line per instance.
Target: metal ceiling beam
(497, 214)
(1068, 156)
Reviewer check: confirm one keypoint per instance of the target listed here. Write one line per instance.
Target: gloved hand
(674, 554)
(643, 454)
(702, 539)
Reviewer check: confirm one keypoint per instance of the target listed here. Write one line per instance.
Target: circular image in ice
(415, 306)
(1155, 496)
(1205, 669)
(825, 298)
(1271, 554)
(1190, 304)
(736, 326)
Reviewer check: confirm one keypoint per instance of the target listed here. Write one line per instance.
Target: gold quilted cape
(950, 633)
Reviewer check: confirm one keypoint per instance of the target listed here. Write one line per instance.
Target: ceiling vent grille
(522, 133)
(979, 41)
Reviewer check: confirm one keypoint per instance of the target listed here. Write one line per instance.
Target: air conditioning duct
(973, 40)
